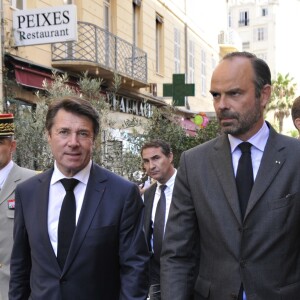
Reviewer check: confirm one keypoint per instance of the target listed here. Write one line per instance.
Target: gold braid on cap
(7, 126)
(7, 129)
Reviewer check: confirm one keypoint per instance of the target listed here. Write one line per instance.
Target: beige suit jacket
(7, 196)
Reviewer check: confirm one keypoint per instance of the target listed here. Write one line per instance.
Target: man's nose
(223, 102)
(151, 165)
(73, 138)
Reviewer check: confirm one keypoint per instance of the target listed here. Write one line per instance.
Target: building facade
(144, 42)
(267, 28)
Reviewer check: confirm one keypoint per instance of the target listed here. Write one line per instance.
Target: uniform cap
(7, 126)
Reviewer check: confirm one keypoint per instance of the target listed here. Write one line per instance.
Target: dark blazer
(108, 256)
(262, 251)
(154, 272)
(148, 201)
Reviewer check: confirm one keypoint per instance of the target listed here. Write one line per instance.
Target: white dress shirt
(57, 194)
(168, 194)
(4, 173)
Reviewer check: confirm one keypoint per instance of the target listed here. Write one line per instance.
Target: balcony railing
(244, 22)
(98, 46)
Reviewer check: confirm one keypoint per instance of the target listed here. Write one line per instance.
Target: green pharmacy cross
(178, 89)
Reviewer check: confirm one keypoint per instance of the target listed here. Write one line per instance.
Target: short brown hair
(75, 105)
(262, 73)
(296, 109)
(165, 147)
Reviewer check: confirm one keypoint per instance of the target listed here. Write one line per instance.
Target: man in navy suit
(108, 255)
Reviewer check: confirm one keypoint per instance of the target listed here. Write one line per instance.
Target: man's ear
(171, 157)
(13, 146)
(265, 94)
(48, 135)
(297, 123)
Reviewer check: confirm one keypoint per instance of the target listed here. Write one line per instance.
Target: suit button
(243, 263)
(242, 229)
(234, 296)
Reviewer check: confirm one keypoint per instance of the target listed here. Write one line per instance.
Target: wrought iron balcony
(244, 22)
(100, 51)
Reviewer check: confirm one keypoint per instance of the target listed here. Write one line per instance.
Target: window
(137, 2)
(106, 21)
(177, 50)
(136, 21)
(70, 51)
(203, 72)
(106, 18)
(244, 18)
(264, 11)
(112, 154)
(229, 20)
(19, 4)
(136, 11)
(246, 45)
(158, 43)
(213, 63)
(262, 56)
(191, 57)
(260, 34)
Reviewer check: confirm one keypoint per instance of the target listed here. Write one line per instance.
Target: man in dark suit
(157, 159)
(107, 255)
(247, 249)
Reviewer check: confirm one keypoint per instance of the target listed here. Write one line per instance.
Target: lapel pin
(277, 162)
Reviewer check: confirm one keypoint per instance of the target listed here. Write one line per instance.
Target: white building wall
(280, 49)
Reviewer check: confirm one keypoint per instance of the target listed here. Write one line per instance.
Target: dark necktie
(159, 223)
(67, 221)
(244, 176)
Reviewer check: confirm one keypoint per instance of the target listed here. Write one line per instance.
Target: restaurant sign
(45, 25)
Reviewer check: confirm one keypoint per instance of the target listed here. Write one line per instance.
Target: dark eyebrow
(152, 157)
(235, 90)
(213, 93)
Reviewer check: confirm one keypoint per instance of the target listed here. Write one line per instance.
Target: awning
(189, 126)
(29, 74)
(31, 77)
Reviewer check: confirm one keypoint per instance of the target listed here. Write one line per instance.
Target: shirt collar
(259, 140)
(5, 171)
(82, 175)
(170, 182)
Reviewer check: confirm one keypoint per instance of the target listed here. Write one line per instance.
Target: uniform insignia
(11, 203)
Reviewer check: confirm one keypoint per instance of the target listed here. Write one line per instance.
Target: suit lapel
(92, 198)
(148, 200)
(272, 161)
(10, 183)
(222, 162)
(42, 202)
